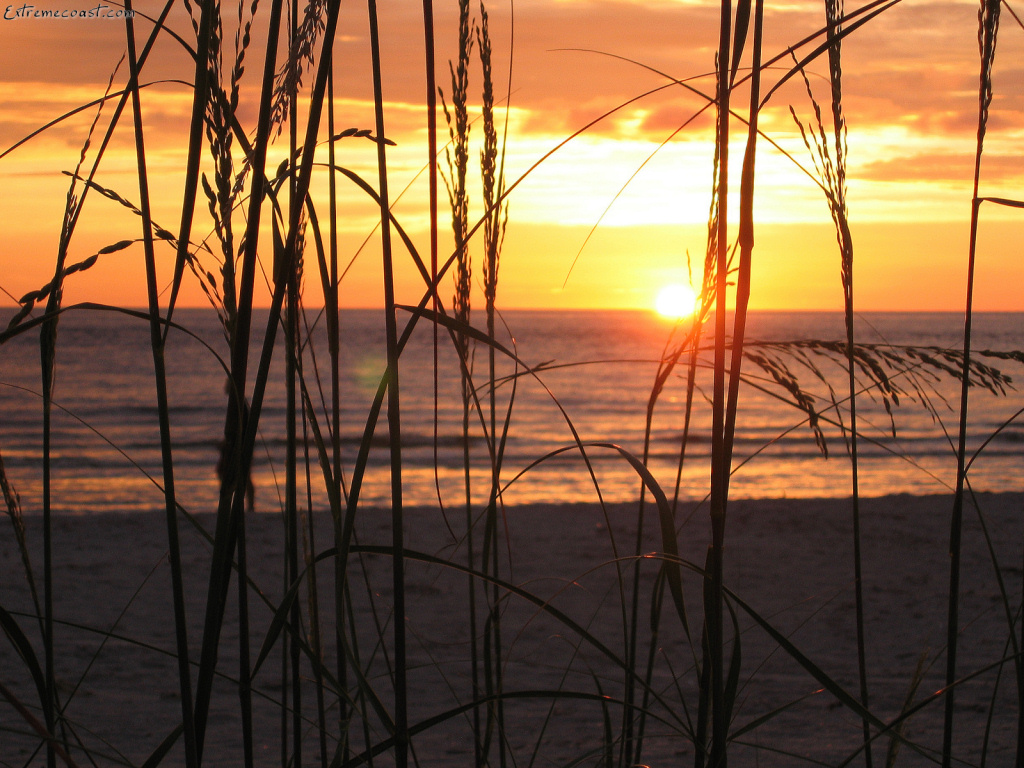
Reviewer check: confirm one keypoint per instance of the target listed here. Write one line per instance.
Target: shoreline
(689, 505)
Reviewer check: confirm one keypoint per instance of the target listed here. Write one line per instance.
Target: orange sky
(910, 95)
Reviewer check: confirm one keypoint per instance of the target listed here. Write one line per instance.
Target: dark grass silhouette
(342, 693)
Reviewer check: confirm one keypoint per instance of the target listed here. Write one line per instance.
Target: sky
(606, 219)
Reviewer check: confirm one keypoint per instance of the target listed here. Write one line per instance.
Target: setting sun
(676, 301)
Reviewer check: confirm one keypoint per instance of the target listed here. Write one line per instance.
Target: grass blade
(988, 22)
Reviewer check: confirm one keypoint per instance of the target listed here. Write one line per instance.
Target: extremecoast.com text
(101, 11)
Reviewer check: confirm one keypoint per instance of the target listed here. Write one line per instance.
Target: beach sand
(789, 560)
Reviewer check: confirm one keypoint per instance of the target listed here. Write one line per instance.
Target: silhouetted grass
(347, 687)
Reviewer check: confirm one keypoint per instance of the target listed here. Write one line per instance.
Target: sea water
(574, 389)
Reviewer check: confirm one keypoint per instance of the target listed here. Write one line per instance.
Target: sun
(676, 301)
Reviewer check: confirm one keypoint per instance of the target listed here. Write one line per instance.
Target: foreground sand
(789, 560)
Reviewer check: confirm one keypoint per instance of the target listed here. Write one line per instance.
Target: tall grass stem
(394, 410)
(163, 407)
(988, 26)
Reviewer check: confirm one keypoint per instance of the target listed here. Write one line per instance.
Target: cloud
(909, 92)
(913, 63)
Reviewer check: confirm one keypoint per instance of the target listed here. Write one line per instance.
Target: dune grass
(346, 653)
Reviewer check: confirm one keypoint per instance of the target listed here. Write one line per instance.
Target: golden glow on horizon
(630, 184)
(676, 301)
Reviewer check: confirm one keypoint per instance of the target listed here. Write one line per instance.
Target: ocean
(594, 380)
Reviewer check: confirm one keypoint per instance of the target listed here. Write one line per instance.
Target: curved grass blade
(25, 651)
(51, 741)
(164, 748)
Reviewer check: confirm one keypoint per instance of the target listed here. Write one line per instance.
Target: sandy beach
(791, 561)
